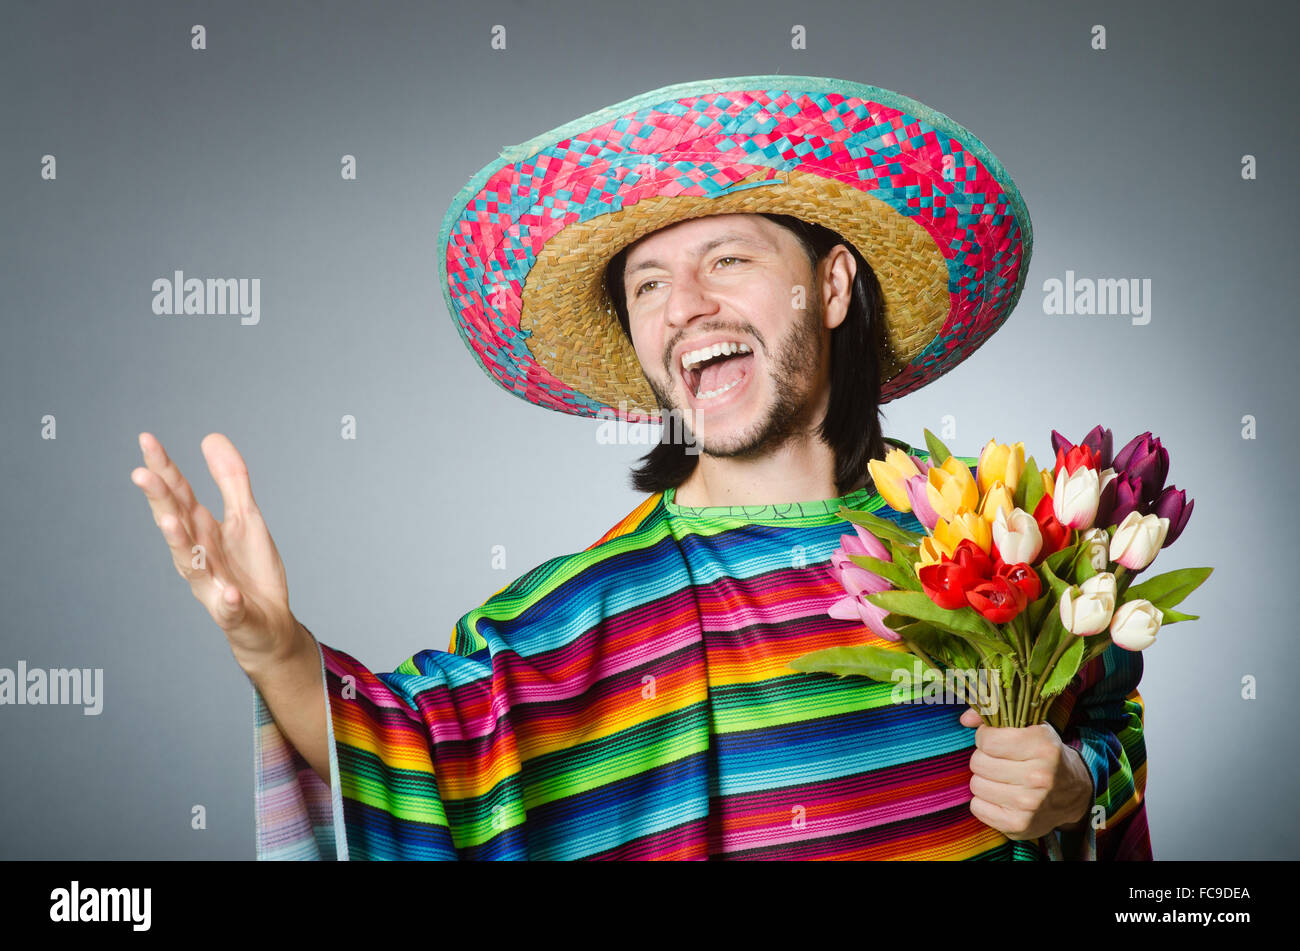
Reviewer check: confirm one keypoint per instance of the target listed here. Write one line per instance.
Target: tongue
(719, 374)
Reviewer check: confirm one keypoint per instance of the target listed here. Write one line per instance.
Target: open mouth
(709, 379)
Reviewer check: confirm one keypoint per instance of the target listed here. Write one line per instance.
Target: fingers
(1000, 770)
(180, 542)
(160, 480)
(162, 503)
(157, 460)
(222, 599)
(231, 475)
(202, 526)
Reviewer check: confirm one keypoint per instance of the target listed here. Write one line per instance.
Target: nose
(688, 299)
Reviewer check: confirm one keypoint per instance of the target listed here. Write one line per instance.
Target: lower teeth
(718, 392)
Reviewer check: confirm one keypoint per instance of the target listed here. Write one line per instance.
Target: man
(633, 700)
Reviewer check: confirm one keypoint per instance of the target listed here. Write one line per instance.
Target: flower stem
(1051, 665)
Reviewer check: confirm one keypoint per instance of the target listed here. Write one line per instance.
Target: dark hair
(852, 424)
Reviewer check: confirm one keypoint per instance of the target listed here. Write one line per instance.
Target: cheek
(648, 353)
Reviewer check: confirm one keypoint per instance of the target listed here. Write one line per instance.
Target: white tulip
(1017, 536)
(1097, 544)
(1135, 624)
(1075, 497)
(1138, 539)
(1087, 608)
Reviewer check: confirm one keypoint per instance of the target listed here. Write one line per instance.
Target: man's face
(742, 282)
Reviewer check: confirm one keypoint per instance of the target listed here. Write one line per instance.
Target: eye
(729, 257)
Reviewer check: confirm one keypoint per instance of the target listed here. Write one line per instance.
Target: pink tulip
(859, 582)
(920, 498)
(858, 609)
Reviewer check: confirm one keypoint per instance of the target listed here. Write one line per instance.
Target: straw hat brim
(526, 242)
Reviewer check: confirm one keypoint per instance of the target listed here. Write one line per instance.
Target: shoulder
(556, 600)
(634, 521)
(636, 529)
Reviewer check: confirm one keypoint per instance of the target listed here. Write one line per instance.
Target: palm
(236, 553)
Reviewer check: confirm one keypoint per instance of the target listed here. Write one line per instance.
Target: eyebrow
(704, 248)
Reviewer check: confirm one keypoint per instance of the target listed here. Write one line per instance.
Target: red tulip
(973, 557)
(1055, 534)
(1078, 457)
(946, 583)
(998, 600)
(1023, 577)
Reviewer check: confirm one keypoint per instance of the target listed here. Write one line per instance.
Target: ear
(837, 271)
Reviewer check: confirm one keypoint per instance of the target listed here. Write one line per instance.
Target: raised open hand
(232, 566)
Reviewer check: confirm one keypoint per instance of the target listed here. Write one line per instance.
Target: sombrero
(525, 243)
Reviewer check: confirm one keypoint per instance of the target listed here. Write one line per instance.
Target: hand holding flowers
(1022, 577)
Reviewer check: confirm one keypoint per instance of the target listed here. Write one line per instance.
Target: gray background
(226, 163)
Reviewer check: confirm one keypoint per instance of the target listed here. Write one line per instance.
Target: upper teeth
(693, 357)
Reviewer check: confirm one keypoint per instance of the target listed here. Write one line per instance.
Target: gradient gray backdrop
(225, 163)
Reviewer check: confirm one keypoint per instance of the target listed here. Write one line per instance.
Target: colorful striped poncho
(632, 701)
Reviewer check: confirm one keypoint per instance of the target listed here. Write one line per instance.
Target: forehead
(698, 234)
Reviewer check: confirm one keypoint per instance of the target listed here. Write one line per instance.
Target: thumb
(231, 606)
(970, 717)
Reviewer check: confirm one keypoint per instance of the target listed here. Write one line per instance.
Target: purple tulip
(1172, 504)
(1127, 498)
(1147, 460)
(1106, 503)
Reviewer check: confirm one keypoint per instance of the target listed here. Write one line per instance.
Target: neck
(800, 470)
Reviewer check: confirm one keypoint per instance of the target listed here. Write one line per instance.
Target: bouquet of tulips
(1024, 575)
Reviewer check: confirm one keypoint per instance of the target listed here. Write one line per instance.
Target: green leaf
(1170, 616)
(880, 527)
(905, 557)
(1008, 673)
(1058, 558)
(1047, 641)
(965, 622)
(938, 451)
(1036, 610)
(1018, 490)
(1168, 589)
(886, 569)
(945, 648)
(1056, 585)
(1094, 646)
(863, 660)
(1034, 488)
(1065, 669)
(1081, 567)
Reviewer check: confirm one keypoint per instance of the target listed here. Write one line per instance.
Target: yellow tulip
(997, 497)
(966, 525)
(950, 489)
(1002, 463)
(889, 475)
(1049, 481)
(931, 552)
